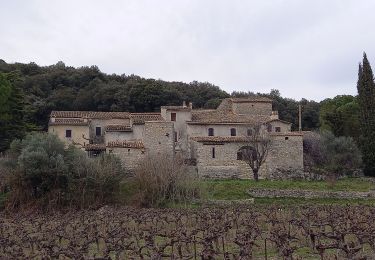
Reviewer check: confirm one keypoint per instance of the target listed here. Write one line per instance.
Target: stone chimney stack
(190, 105)
(184, 103)
(274, 115)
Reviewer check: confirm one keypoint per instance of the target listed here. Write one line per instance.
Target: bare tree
(256, 150)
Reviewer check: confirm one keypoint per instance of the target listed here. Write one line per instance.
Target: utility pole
(300, 117)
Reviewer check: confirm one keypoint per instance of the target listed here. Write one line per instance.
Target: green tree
(12, 123)
(366, 101)
(340, 115)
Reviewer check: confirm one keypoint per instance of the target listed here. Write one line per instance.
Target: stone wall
(285, 157)
(219, 129)
(284, 160)
(310, 194)
(130, 157)
(252, 108)
(158, 137)
(225, 163)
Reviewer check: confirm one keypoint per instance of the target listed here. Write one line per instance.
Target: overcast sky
(304, 48)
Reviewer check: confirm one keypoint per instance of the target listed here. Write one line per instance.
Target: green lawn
(236, 189)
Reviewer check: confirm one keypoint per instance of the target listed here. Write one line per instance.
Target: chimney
(184, 103)
(52, 119)
(274, 115)
(190, 105)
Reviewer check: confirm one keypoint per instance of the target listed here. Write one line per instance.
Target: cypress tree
(12, 124)
(366, 100)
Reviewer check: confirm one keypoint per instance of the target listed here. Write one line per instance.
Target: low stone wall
(310, 194)
(227, 203)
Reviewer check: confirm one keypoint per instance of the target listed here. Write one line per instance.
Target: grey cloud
(303, 48)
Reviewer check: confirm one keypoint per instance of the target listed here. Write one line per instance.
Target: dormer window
(210, 132)
(233, 132)
(173, 117)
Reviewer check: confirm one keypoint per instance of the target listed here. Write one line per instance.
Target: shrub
(161, 180)
(43, 171)
(335, 156)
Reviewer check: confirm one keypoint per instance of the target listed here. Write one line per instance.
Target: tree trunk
(256, 176)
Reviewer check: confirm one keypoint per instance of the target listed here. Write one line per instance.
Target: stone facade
(209, 140)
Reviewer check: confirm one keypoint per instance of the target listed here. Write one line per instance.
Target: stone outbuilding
(208, 140)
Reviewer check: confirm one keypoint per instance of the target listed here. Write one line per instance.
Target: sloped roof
(141, 118)
(251, 99)
(126, 144)
(118, 128)
(220, 139)
(90, 114)
(68, 121)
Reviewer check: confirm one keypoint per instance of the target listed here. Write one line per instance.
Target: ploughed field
(242, 232)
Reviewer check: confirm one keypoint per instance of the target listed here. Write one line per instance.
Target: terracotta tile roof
(251, 99)
(90, 114)
(287, 134)
(126, 144)
(219, 139)
(68, 121)
(141, 118)
(118, 128)
(93, 147)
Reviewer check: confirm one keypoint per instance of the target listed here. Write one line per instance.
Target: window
(175, 136)
(233, 132)
(210, 132)
(277, 129)
(98, 131)
(173, 116)
(269, 128)
(213, 152)
(286, 138)
(249, 132)
(68, 133)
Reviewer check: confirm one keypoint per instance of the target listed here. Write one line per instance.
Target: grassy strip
(236, 189)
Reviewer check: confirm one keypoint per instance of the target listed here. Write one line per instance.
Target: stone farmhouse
(209, 140)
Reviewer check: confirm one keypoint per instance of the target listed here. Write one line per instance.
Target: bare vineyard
(314, 232)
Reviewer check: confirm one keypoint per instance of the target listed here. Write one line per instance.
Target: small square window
(277, 129)
(98, 131)
(233, 132)
(68, 133)
(286, 138)
(210, 132)
(173, 116)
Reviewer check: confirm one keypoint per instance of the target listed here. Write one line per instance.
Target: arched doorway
(246, 153)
